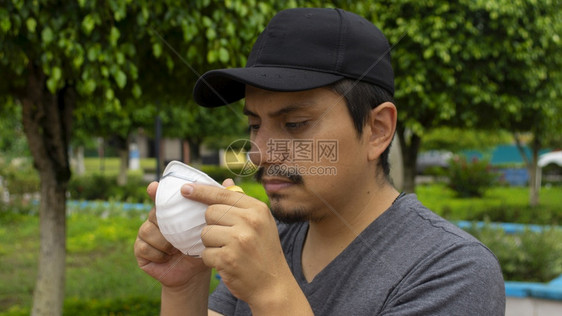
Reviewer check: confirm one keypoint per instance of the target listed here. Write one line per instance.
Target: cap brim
(225, 86)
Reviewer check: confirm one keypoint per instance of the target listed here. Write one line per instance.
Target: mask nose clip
(179, 176)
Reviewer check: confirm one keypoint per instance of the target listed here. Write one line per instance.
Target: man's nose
(269, 149)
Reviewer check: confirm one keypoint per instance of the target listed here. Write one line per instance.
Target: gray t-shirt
(409, 261)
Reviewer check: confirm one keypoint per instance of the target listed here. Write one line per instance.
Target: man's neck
(327, 238)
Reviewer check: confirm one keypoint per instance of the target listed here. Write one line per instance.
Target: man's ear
(380, 129)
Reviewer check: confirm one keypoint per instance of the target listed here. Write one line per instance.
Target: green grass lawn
(100, 261)
(102, 275)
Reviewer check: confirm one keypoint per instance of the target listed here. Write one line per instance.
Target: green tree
(115, 125)
(196, 125)
(467, 63)
(105, 60)
(525, 69)
(543, 121)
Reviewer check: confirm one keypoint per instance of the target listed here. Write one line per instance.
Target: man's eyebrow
(288, 109)
(248, 112)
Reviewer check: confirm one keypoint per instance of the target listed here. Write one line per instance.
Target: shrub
(541, 215)
(219, 174)
(529, 256)
(19, 177)
(15, 209)
(90, 187)
(470, 179)
(104, 187)
(499, 204)
(122, 306)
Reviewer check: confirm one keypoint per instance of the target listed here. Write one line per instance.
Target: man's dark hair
(361, 98)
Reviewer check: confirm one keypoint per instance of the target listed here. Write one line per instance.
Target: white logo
(237, 157)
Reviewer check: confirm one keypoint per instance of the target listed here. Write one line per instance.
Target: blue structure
(507, 155)
(551, 290)
(514, 176)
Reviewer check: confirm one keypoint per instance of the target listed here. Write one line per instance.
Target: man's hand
(242, 244)
(185, 280)
(158, 258)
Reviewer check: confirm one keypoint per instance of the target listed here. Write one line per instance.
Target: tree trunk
(534, 184)
(47, 121)
(78, 161)
(122, 145)
(80, 167)
(194, 150)
(123, 166)
(186, 156)
(532, 166)
(101, 154)
(409, 144)
(48, 296)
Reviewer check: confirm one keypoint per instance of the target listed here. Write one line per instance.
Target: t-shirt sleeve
(222, 301)
(464, 279)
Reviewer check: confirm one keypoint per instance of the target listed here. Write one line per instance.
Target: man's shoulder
(418, 220)
(433, 259)
(412, 234)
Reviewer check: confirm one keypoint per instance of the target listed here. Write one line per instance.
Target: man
(345, 242)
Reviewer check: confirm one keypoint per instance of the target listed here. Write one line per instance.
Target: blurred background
(95, 100)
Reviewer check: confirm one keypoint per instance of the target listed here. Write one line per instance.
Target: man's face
(311, 159)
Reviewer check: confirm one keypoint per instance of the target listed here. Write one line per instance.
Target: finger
(228, 182)
(223, 215)
(230, 185)
(213, 195)
(215, 236)
(151, 235)
(212, 256)
(145, 253)
(152, 217)
(151, 189)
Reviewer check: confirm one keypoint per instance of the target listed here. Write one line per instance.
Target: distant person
(318, 89)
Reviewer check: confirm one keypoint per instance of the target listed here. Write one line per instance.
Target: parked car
(433, 158)
(551, 167)
(553, 157)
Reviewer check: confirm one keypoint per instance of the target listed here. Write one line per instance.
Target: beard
(296, 214)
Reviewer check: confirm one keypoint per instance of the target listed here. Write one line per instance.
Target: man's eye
(253, 127)
(295, 125)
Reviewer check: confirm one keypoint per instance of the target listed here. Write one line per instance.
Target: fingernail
(186, 189)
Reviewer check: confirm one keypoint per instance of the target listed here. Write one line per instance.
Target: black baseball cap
(302, 49)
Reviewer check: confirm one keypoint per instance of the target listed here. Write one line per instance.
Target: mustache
(279, 171)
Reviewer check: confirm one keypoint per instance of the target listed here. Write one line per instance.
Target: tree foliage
(12, 140)
(485, 64)
(109, 66)
(459, 139)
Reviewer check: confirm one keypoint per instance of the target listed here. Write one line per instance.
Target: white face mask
(180, 219)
